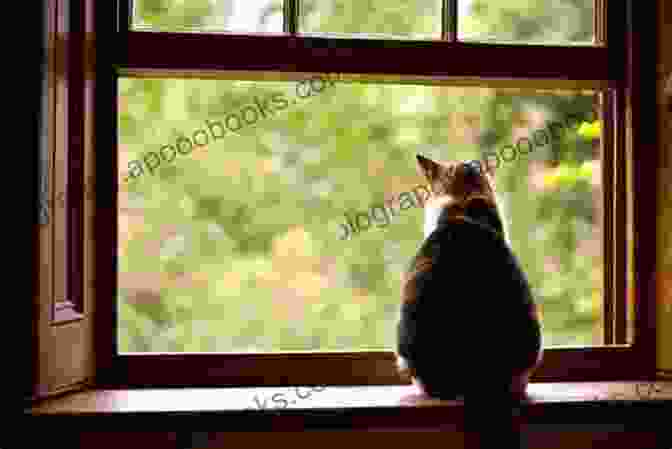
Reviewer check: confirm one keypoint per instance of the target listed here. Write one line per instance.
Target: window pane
(208, 15)
(232, 214)
(526, 21)
(418, 19)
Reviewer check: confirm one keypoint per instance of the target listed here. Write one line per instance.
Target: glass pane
(235, 197)
(417, 19)
(207, 15)
(526, 21)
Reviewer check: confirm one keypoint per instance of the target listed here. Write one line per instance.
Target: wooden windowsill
(339, 407)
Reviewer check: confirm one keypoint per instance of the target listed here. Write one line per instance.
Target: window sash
(449, 19)
(198, 54)
(342, 368)
(616, 65)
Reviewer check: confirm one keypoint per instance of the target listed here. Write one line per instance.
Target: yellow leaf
(590, 131)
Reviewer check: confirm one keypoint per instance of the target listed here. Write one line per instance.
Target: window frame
(65, 207)
(615, 62)
(61, 311)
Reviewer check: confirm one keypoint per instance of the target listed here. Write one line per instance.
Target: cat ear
(427, 167)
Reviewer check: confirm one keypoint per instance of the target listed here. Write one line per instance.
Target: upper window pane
(396, 19)
(242, 16)
(559, 22)
(231, 229)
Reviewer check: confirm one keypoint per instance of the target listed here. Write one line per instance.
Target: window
(257, 223)
(438, 77)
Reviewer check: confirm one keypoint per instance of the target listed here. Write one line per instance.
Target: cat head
(459, 188)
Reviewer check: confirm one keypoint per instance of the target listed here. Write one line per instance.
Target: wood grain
(664, 186)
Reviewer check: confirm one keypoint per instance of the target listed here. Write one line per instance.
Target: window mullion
(124, 16)
(449, 20)
(599, 22)
(291, 16)
(620, 263)
(607, 216)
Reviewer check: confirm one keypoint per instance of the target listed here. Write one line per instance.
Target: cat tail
(491, 418)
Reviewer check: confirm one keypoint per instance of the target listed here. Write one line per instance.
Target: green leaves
(590, 131)
(568, 175)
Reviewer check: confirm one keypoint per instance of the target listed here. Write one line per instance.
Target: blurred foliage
(526, 21)
(234, 246)
(590, 130)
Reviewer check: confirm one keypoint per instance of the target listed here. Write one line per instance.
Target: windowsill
(338, 407)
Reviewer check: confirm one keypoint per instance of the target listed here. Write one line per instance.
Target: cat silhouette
(468, 322)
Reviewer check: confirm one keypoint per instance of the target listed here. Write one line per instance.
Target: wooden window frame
(618, 61)
(62, 310)
(66, 209)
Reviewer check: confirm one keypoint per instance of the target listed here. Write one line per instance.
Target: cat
(468, 322)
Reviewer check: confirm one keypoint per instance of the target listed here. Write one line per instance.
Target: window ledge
(570, 405)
